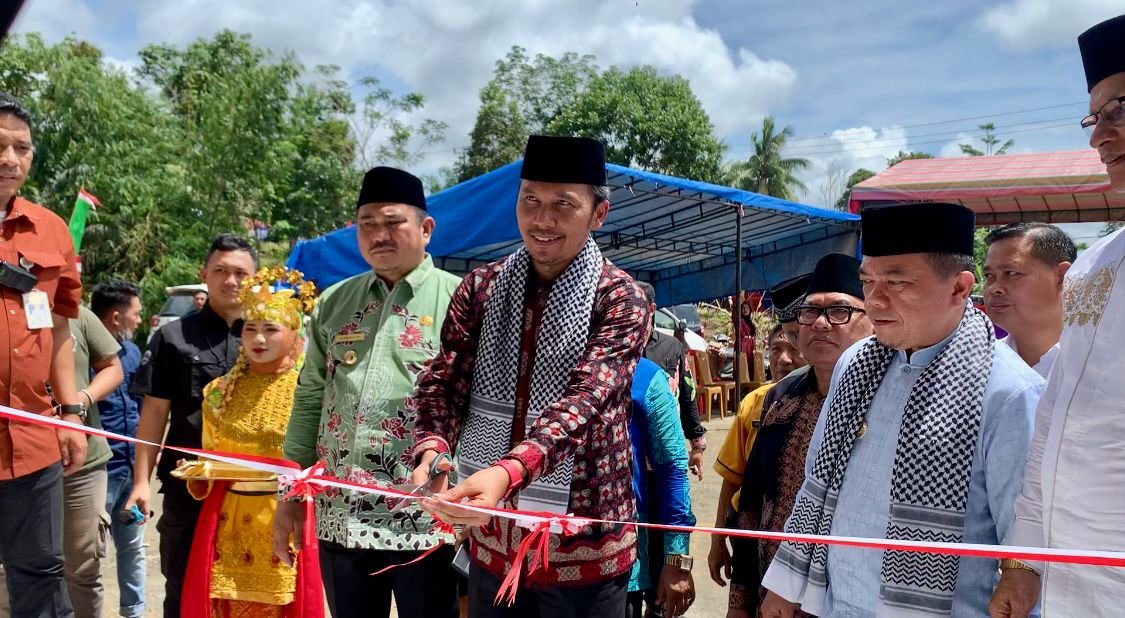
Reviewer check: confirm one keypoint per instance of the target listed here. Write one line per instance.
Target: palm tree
(992, 144)
(767, 171)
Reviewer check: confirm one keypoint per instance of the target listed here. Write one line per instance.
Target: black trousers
(602, 600)
(31, 544)
(425, 589)
(177, 531)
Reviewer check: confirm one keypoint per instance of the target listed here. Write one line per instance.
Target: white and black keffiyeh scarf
(930, 486)
(563, 333)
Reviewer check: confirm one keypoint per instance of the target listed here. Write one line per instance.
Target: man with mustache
(1072, 494)
(922, 436)
(831, 319)
(40, 291)
(353, 409)
(531, 391)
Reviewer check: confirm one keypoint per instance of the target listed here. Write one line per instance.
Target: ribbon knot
(539, 537)
(300, 485)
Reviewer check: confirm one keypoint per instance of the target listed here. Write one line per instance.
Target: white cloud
(953, 148)
(56, 18)
(846, 150)
(1033, 24)
(448, 50)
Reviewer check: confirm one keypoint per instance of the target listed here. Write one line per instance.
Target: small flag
(82, 207)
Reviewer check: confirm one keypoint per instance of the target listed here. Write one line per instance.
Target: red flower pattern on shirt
(410, 337)
(589, 422)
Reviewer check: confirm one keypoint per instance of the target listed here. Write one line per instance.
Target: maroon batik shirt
(590, 421)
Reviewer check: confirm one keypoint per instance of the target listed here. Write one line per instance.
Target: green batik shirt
(354, 405)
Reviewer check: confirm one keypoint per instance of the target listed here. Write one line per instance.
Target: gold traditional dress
(247, 411)
(253, 421)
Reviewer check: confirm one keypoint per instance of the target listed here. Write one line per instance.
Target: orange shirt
(36, 236)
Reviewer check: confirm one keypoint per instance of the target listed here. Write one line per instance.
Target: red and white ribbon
(302, 480)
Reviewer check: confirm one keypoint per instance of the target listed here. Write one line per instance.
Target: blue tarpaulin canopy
(678, 234)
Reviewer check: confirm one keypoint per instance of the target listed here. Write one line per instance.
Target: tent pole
(737, 309)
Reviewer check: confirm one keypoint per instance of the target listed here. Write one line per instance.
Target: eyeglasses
(807, 315)
(1113, 112)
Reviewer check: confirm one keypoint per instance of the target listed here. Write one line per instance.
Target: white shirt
(1043, 367)
(1074, 486)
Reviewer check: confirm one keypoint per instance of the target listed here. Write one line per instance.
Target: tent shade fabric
(678, 234)
(1054, 187)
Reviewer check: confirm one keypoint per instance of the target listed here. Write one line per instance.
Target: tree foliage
(647, 120)
(768, 171)
(198, 140)
(907, 156)
(992, 145)
(857, 177)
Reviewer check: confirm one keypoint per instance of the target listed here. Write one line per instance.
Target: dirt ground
(711, 601)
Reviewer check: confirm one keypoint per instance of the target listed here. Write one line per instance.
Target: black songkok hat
(564, 159)
(836, 272)
(387, 184)
(897, 229)
(787, 295)
(1103, 50)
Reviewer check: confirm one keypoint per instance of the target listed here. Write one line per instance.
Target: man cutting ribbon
(531, 392)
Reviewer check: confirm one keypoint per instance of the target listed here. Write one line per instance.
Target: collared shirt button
(906, 369)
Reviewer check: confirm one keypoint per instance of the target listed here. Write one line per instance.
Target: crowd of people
(539, 383)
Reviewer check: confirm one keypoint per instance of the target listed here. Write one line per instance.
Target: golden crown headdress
(286, 305)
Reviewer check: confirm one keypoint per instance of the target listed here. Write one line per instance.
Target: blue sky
(857, 81)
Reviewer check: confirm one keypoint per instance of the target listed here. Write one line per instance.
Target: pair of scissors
(423, 490)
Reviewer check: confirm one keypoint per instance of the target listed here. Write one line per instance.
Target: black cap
(564, 159)
(1103, 50)
(390, 185)
(838, 273)
(787, 295)
(898, 229)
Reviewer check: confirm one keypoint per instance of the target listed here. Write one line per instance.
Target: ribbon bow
(539, 536)
(300, 485)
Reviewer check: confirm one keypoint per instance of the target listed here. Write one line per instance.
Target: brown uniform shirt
(35, 237)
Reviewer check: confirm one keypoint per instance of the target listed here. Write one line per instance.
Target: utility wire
(950, 135)
(967, 118)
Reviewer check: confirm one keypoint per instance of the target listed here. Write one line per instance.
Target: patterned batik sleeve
(442, 391)
(605, 373)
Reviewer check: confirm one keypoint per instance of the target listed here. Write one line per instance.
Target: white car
(666, 323)
(181, 301)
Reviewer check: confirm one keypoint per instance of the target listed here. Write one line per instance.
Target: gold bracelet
(1009, 563)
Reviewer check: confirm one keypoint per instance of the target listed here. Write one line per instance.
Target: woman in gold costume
(233, 572)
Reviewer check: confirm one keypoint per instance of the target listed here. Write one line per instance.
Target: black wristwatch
(78, 409)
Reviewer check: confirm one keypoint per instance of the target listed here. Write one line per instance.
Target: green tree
(992, 145)
(907, 156)
(382, 129)
(857, 177)
(524, 96)
(95, 129)
(498, 136)
(768, 171)
(646, 121)
(543, 86)
(1110, 227)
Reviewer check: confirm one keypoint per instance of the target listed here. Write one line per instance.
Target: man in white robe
(1073, 496)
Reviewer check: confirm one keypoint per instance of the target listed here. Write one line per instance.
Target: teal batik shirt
(354, 405)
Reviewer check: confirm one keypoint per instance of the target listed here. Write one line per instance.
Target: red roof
(1057, 187)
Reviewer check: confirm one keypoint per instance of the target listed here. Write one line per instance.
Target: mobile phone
(131, 517)
(461, 559)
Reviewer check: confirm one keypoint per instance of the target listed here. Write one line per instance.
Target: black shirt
(182, 358)
(668, 352)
